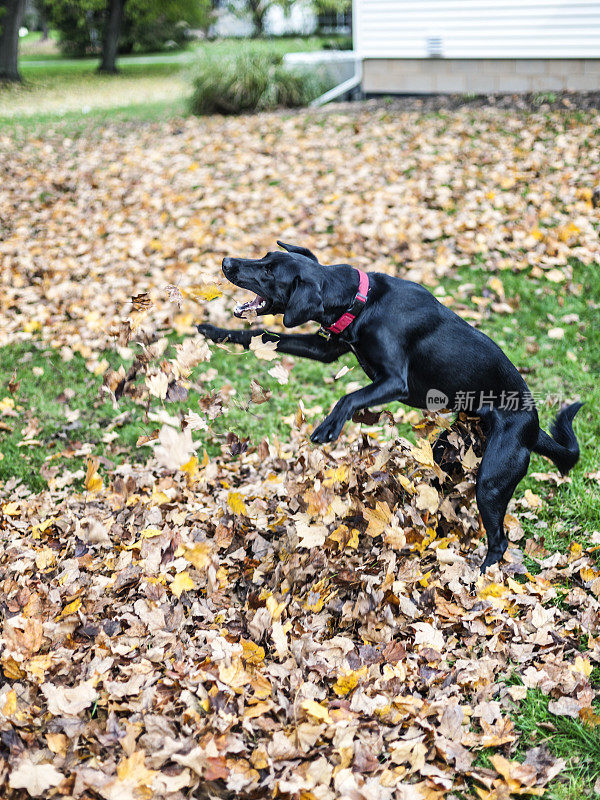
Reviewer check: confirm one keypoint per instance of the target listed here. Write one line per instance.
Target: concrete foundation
(479, 76)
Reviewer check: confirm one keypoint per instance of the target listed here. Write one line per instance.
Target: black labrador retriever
(413, 349)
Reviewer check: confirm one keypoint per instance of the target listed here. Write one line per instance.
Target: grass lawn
(58, 414)
(155, 84)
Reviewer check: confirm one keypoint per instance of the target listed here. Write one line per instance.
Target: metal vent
(434, 46)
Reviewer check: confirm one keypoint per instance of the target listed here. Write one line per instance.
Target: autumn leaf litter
(278, 619)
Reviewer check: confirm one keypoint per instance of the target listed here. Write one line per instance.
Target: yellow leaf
(353, 540)
(575, 550)
(71, 608)
(198, 555)
(235, 501)
(589, 717)
(338, 535)
(378, 518)
(406, 483)
(493, 590)
(567, 232)
(252, 653)
(158, 498)
(276, 609)
(37, 666)
(496, 286)
(335, 475)
(191, 469)
(588, 574)
(57, 743)
(44, 558)
(470, 461)
(583, 665)
(11, 509)
(316, 710)
(10, 703)
(184, 323)
(7, 404)
(150, 533)
(93, 481)
(42, 526)
(423, 453)
(532, 500)
(181, 583)
(259, 758)
(32, 325)
(133, 770)
(258, 709)
(346, 683)
(208, 292)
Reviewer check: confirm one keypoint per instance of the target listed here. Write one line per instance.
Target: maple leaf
(378, 519)
(267, 351)
(158, 385)
(235, 501)
(37, 779)
(174, 448)
(316, 710)
(69, 700)
(280, 373)
(258, 393)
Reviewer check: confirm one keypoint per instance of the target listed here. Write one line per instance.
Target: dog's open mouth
(256, 306)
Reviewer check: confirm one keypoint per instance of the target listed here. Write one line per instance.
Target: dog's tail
(561, 447)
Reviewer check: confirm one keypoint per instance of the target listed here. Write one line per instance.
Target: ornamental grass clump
(251, 82)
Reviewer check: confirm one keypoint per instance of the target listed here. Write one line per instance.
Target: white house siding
(300, 20)
(485, 45)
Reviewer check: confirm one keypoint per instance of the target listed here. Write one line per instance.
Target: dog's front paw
(328, 430)
(212, 332)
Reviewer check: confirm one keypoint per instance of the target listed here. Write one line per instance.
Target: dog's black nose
(226, 263)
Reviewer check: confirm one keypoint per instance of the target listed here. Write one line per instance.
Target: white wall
(300, 20)
(478, 28)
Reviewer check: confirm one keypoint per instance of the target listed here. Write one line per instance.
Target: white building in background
(477, 46)
(301, 20)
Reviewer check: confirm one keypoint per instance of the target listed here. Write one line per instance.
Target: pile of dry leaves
(90, 220)
(281, 620)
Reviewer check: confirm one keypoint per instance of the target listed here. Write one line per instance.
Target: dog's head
(287, 283)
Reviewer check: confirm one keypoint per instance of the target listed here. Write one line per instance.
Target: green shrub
(148, 25)
(338, 43)
(251, 82)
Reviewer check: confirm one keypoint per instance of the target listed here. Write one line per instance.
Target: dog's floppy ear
(302, 251)
(304, 304)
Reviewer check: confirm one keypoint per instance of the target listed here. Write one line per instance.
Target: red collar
(350, 315)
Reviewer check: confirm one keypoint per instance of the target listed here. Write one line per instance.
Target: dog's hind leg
(510, 439)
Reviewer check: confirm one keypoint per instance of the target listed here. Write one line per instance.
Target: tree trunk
(258, 12)
(11, 12)
(112, 31)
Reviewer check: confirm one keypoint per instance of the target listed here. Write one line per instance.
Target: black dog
(413, 349)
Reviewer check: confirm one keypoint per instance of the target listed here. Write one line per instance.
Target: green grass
(154, 86)
(568, 738)
(41, 397)
(571, 512)
(219, 47)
